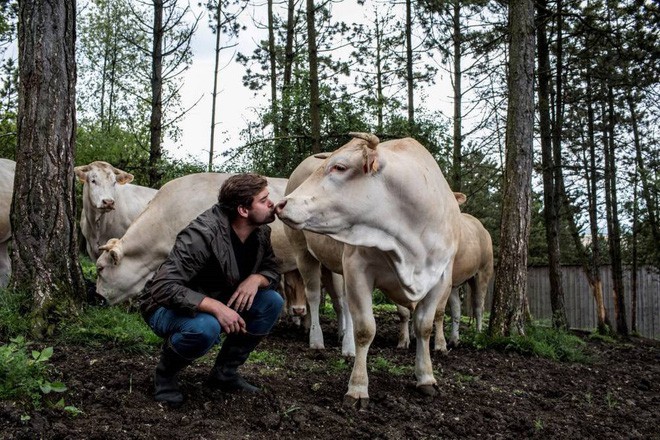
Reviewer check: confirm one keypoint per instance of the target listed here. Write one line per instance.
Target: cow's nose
(280, 206)
(299, 311)
(108, 203)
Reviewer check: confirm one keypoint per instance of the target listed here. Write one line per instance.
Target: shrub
(23, 374)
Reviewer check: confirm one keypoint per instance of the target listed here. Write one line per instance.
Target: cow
(473, 265)
(393, 210)
(110, 203)
(7, 171)
(310, 249)
(126, 263)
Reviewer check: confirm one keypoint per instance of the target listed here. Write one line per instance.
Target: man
(219, 277)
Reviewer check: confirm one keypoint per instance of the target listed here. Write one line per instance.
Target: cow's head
(345, 187)
(100, 180)
(294, 294)
(117, 279)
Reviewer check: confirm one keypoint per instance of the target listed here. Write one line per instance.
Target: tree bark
(314, 98)
(409, 66)
(45, 248)
(457, 157)
(155, 124)
(613, 226)
(272, 55)
(510, 292)
(550, 191)
(216, 69)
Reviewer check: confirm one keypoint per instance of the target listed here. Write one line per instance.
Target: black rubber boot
(234, 352)
(166, 386)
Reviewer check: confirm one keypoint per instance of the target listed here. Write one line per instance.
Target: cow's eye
(339, 168)
(93, 181)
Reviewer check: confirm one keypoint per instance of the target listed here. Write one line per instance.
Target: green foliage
(272, 359)
(14, 306)
(379, 363)
(103, 326)
(538, 341)
(24, 374)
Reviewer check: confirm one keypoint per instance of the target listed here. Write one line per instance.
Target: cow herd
(368, 215)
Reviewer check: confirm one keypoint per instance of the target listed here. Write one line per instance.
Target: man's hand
(230, 320)
(244, 295)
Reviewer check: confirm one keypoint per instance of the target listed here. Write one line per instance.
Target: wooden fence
(579, 302)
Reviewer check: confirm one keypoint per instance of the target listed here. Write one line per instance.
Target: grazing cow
(398, 219)
(128, 262)
(316, 256)
(473, 265)
(110, 203)
(7, 170)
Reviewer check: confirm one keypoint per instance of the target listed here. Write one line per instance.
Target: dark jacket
(202, 263)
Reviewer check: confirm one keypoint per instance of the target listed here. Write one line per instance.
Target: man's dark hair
(239, 190)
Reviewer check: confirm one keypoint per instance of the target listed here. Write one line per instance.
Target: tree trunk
(550, 191)
(635, 267)
(272, 55)
(409, 66)
(155, 125)
(644, 177)
(216, 69)
(613, 227)
(457, 158)
(314, 94)
(45, 248)
(380, 95)
(510, 292)
(288, 66)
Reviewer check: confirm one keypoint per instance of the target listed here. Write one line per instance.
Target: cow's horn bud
(372, 139)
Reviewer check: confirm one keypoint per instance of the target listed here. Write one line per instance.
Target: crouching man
(218, 278)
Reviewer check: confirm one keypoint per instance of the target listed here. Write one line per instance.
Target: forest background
(594, 200)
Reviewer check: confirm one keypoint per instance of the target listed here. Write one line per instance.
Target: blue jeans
(193, 337)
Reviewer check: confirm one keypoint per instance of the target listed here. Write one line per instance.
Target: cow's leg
(425, 312)
(404, 327)
(455, 308)
(310, 269)
(359, 286)
(334, 284)
(5, 264)
(439, 342)
(479, 288)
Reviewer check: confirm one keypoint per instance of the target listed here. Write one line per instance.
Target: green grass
(13, 309)
(24, 373)
(99, 326)
(538, 341)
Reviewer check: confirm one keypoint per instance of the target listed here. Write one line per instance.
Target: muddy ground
(482, 394)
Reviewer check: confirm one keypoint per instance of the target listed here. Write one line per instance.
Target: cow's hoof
(452, 344)
(427, 390)
(357, 403)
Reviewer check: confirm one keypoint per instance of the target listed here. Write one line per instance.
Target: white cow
(128, 262)
(7, 170)
(316, 257)
(393, 209)
(473, 265)
(110, 203)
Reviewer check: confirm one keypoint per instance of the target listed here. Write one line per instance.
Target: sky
(235, 103)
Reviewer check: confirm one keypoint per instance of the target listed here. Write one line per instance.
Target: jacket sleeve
(270, 265)
(189, 255)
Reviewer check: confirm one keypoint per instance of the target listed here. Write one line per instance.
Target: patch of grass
(603, 338)
(14, 307)
(98, 326)
(273, 359)
(24, 373)
(88, 267)
(379, 363)
(539, 341)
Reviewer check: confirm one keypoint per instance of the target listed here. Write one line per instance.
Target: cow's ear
(116, 255)
(81, 172)
(371, 163)
(460, 197)
(123, 177)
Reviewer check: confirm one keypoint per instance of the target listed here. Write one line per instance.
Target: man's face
(262, 210)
